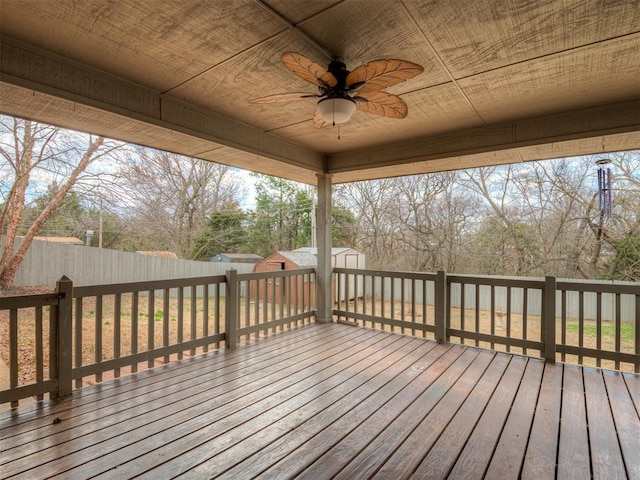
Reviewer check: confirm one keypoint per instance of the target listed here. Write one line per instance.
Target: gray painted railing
(460, 308)
(143, 323)
(549, 318)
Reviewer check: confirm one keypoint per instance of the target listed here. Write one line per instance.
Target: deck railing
(80, 335)
(100, 331)
(588, 323)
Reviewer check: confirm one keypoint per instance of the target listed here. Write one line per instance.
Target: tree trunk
(11, 261)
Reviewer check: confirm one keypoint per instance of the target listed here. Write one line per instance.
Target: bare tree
(32, 153)
(170, 197)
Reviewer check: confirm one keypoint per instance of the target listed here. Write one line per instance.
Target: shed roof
(302, 259)
(67, 240)
(334, 250)
(158, 253)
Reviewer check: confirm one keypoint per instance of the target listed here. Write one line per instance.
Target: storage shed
(306, 257)
(286, 290)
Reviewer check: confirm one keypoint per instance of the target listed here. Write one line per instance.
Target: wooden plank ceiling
(504, 82)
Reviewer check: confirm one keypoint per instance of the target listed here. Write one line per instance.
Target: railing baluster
(265, 304)
(194, 317)
(525, 318)
(165, 322)
(151, 316)
(117, 305)
(549, 319)
(135, 298)
(508, 329)
(78, 335)
(413, 306)
(13, 352)
(563, 300)
(393, 301)
(53, 348)
(477, 312)
(424, 307)
(493, 314)
(402, 303)
(599, 325)
(580, 324)
(618, 321)
(205, 315)
(462, 309)
(247, 307)
(98, 336)
(443, 306)
(216, 323)
(180, 320)
(637, 334)
(39, 351)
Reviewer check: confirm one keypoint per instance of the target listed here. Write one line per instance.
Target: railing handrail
(27, 301)
(114, 288)
(275, 274)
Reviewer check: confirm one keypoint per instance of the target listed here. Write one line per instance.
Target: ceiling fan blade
(379, 74)
(284, 97)
(309, 70)
(318, 121)
(382, 103)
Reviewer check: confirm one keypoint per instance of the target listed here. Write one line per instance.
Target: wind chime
(604, 188)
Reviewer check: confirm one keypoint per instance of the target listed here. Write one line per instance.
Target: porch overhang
(500, 85)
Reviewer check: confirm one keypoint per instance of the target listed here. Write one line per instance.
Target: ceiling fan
(341, 92)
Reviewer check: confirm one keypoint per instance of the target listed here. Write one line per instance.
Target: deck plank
(606, 456)
(444, 453)
(633, 384)
(347, 448)
(369, 460)
(540, 458)
(573, 450)
(333, 401)
(508, 456)
(289, 432)
(627, 422)
(478, 450)
(107, 443)
(161, 393)
(408, 456)
(293, 452)
(191, 440)
(94, 397)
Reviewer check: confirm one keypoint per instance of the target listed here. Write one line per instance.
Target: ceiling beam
(44, 72)
(599, 121)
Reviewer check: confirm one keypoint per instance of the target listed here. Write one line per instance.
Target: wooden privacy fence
(481, 313)
(80, 335)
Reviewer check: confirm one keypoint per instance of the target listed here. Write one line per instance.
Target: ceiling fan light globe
(336, 110)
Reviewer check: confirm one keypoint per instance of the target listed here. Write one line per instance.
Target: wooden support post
(231, 310)
(441, 306)
(324, 271)
(64, 328)
(549, 319)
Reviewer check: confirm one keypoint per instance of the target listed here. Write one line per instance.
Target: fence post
(549, 319)
(64, 335)
(231, 309)
(441, 306)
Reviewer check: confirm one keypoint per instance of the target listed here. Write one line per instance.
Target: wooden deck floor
(334, 401)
